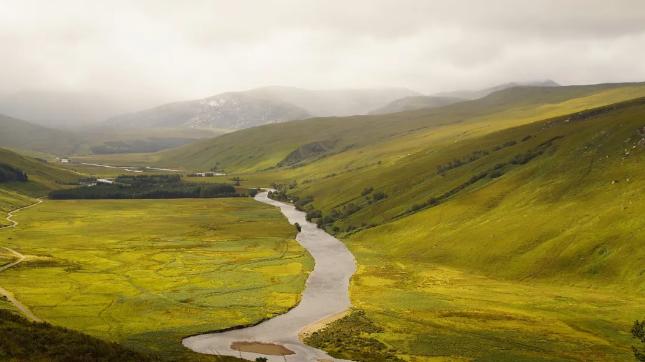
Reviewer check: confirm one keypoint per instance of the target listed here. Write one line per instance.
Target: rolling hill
(41, 178)
(16, 133)
(479, 93)
(416, 102)
(69, 110)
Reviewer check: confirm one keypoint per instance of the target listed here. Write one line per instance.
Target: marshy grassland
(146, 273)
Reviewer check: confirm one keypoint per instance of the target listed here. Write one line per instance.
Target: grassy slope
(16, 133)
(263, 147)
(22, 340)
(194, 266)
(42, 178)
(545, 262)
(514, 267)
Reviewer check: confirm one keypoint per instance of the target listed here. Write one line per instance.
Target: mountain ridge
(258, 106)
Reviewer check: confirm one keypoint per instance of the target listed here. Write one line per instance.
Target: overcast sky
(187, 49)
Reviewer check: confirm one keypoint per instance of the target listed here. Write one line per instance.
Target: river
(326, 294)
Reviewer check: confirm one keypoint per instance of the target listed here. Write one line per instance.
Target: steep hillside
(265, 147)
(414, 103)
(484, 191)
(16, 133)
(525, 244)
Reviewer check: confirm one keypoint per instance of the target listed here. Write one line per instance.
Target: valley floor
(146, 273)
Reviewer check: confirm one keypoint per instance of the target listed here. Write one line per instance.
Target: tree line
(9, 173)
(147, 187)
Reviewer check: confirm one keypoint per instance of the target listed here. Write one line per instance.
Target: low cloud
(182, 50)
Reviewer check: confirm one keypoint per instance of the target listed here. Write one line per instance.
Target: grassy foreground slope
(21, 340)
(171, 268)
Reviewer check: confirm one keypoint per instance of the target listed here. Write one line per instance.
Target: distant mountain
(68, 109)
(232, 110)
(416, 102)
(335, 102)
(26, 136)
(475, 94)
(237, 110)
(16, 133)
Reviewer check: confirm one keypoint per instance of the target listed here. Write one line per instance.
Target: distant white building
(64, 160)
(206, 174)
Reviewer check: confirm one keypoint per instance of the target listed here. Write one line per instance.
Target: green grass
(10, 200)
(537, 259)
(43, 176)
(543, 262)
(429, 311)
(146, 273)
(21, 340)
(262, 148)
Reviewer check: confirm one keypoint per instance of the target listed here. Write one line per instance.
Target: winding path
(19, 259)
(326, 295)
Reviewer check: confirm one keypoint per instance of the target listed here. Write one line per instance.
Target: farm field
(146, 273)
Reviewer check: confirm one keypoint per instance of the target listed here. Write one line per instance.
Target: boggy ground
(146, 273)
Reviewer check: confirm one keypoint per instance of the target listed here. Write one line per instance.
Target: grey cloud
(181, 50)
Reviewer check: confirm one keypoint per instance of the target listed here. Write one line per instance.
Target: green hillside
(42, 177)
(506, 228)
(16, 133)
(263, 148)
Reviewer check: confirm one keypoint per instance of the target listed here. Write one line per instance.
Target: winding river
(326, 295)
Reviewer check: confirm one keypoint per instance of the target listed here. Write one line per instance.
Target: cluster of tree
(497, 171)
(147, 187)
(327, 221)
(9, 173)
(21, 340)
(353, 338)
(139, 146)
(474, 156)
(279, 195)
(280, 192)
(322, 220)
(252, 192)
(301, 204)
(638, 332)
